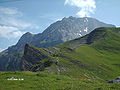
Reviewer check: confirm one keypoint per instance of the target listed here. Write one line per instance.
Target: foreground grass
(45, 81)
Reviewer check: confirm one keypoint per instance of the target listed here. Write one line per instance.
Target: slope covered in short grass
(99, 60)
(44, 81)
(81, 64)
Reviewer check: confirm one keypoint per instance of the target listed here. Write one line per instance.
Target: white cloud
(12, 17)
(10, 32)
(86, 7)
(52, 17)
(12, 24)
(10, 11)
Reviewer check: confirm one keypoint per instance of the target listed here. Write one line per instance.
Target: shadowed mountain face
(58, 32)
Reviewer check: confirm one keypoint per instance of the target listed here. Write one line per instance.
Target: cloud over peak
(9, 32)
(86, 7)
(11, 23)
(9, 11)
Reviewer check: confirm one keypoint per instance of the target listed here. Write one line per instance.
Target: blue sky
(20, 16)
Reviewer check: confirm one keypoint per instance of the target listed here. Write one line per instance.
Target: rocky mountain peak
(59, 32)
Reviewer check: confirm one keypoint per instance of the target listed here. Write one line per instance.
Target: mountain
(61, 31)
(86, 63)
(95, 56)
(57, 33)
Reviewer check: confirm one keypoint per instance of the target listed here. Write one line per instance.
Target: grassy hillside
(99, 60)
(81, 64)
(44, 81)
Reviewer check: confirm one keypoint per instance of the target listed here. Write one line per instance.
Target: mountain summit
(59, 32)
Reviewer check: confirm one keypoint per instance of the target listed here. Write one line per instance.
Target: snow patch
(86, 29)
(86, 19)
(80, 34)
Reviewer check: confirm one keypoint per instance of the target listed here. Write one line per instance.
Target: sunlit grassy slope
(99, 60)
(79, 66)
(44, 81)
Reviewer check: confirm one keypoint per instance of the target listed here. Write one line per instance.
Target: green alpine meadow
(85, 63)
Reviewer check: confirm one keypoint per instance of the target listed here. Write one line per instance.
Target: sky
(20, 16)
